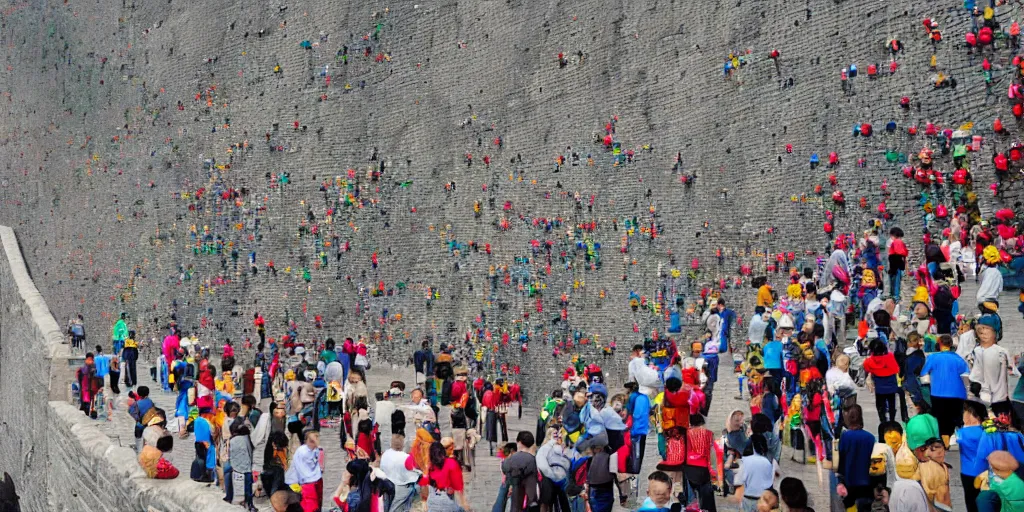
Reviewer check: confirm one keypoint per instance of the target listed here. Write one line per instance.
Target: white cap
(786, 322)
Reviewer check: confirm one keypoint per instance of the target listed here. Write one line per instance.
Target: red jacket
(881, 366)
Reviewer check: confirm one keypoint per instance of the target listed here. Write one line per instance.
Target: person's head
(313, 439)
(239, 428)
(231, 409)
(524, 441)
(99, 349)
(945, 342)
(425, 345)
(277, 410)
(142, 392)
(89, 358)
(355, 377)
(398, 442)
(760, 423)
(1003, 464)
(165, 442)
(735, 420)
(638, 350)
(248, 402)
(936, 450)
(123, 316)
(696, 420)
(769, 501)
(759, 444)
(986, 329)
(580, 396)
(659, 488)
(878, 347)
(329, 344)
(416, 396)
(854, 417)
(974, 413)
(914, 340)
(437, 455)
(509, 449)
(255, 315)
(131, 334)
(721, 304)
(631, 387)
(843, 362)
(793, 493)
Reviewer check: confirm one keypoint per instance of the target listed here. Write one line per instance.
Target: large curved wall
(129, 127)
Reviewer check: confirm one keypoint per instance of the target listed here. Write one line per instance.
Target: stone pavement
(483, 482)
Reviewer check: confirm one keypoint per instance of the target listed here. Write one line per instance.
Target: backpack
(470, 408)
(78, 330)
(577, 476)
(446, 392)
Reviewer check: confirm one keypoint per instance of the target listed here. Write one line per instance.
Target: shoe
(622, 501)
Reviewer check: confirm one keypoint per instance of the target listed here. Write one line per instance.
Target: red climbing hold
(930, 130)
(1018, 110)
(905, 102)
(865, 130)
(986, 65)
(1001, 162)
(997, 125)
(833, 158)
(838, 197)
(789, 148)
(828, 228)
(774, 54)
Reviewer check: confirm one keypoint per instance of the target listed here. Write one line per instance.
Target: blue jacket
(423, 361)
(912, 377)
(641, 411)
(946, 369)
(728, 320)
(139, 409)
(855, 448)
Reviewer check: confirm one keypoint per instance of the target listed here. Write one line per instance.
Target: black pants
(885, 402)
(131, 376)
(970, 493)
(904, 414)
(700, 480)
(542, 430)
(553, 495)
(949, 412)
(504, 426)
(114, 378)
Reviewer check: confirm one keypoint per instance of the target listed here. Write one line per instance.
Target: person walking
(240, 450)
(120, 333)
(948, 393)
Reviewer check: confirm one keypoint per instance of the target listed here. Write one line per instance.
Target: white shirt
(991, 284)
(836, 379)
(305, 467)
(393, 465)
(990, 370)
(755, 333)
(422, 408)
(908, 496)
(382, 416)
(965, 345)
(645, 376)
(756, 475)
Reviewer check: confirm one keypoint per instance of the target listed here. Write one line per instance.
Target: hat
(786, 322)
(461, 370)
(398, 384)
(599, 389)
(920, 429)
(920, 295)
(1002, 461)
(393, 392)
(993, 322)
(299, 350)
(991, 255)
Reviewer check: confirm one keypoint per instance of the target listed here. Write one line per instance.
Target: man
(138, 411)
(120, 333)
(423, 361)
(307, 473)
(773, 352)
(382, 411)
(728, 321)
(645, 376)
(89, 385)
(130, 356)
(418, 404)
(550, 410)
(991, 279)
(758, 326)
(520, 470)
(639, 406)
(990, 375)
(947, 387)
(400, 467)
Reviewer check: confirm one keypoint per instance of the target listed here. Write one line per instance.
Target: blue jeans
(118, 346)
(602, 500)
(988, 501)
(894, 284)
(499, 504)
(405, 495)
(229, 484)
(711, 360)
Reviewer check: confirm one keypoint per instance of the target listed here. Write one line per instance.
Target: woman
(355, 398)
(700, 444)
(554, 460)
(488, 403)
(241, 451)
(855, 448)
(447, 492)
(275, 462)
(882, 367)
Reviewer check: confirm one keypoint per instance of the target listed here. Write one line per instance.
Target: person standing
(947, 387)
(120, 333)
(882, 367)
(307, 471)
(423, 362)
(521, 468)
(241, 455)
(640, 410)
(713, 324)
(76, 329)
(645, 376)
(990, 375)
(728, 321)
(89, 384)
(991, 279)
(130, 357)
(700, 450)
(855, 448)
(400, 469)
(137, 410)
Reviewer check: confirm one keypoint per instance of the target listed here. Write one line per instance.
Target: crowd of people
(940, 379)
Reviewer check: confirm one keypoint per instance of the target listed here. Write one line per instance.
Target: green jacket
(1011, 493)
(120, 330)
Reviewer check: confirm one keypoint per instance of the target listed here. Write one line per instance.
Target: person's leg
(229, 485)
(502, 499)
(248, 489)
(639, 448)
(890, 401)
(970, 492)
(706, 497)
(988, 501)
(504, 428)
(904, 414)
(541, 431)
(880, 405)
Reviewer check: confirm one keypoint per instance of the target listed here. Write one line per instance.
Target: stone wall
(59, 460)
(145, 145)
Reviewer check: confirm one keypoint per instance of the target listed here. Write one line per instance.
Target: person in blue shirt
(423, 361)
(855, 447)
(728, 320)
(640, 409)
(659, 493)
(138, 411)
(773, 361)
(968, 437)
(947, 388)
